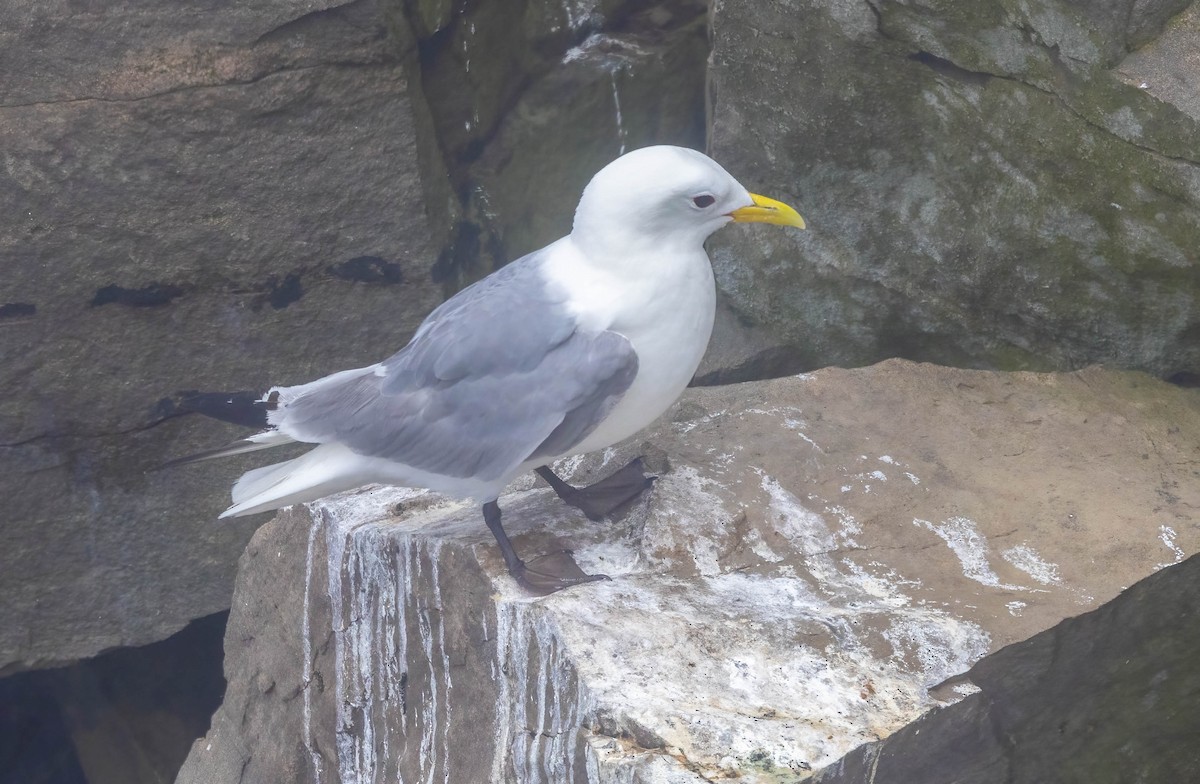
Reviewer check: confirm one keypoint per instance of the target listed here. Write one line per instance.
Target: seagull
(569, 349)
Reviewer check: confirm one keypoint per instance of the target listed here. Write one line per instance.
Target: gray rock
(184, 208)
(65, 51)
(525, 101)
(818, 553)
(1108, 696)
(982, 188)
(1165, 67)
(609, 94)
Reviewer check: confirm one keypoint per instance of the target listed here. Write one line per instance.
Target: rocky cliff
(817, 558)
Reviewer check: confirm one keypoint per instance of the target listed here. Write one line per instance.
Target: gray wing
(496, 375)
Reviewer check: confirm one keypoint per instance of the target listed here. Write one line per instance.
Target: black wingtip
(239, 408)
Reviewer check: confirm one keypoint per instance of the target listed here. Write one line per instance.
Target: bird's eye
(704, 200)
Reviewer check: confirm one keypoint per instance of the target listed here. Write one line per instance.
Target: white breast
(664, 305)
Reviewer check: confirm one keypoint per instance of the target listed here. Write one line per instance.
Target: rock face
(129, 715)
(190, 200)
(985, 183)
(817, 554)
(1164, 67)
(526, 100)
(1109, 696)
(221, 196)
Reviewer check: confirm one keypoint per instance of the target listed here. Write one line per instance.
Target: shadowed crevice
(151, 296)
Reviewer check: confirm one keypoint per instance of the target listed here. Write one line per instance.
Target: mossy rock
(975, 195)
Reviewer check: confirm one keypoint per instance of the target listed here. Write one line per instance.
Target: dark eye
(703, 200)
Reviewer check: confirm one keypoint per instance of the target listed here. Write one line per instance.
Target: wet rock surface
(817, 554)
(526, 101)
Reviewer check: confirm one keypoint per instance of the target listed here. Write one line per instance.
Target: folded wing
(496, 376)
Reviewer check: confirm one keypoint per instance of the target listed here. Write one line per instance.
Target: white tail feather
(328, 469)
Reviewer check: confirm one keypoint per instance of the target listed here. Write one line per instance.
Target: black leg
(491, 516)
(544, 574)
(600, 498)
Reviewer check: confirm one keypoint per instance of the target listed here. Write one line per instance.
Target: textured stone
(982, 188)
(1166, 67)
(63, 50)
(191, 209)
(1109, 696)
(609, 94)
(817, 555)
(527, 100)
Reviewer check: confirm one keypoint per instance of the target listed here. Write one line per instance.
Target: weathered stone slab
(190, 209)
(818, 553)
(1108, 696)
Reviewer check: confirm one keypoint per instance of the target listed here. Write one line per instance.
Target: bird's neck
(619, 248)
(607, 291)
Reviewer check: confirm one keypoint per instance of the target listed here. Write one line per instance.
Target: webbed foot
(542, 575)
(552, 572)
(599, 499)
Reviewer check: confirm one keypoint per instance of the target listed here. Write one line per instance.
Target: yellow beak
(768, 211)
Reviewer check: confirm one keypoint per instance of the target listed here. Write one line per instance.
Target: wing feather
(496, 375)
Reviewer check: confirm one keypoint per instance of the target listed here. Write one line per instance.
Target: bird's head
(667, 197)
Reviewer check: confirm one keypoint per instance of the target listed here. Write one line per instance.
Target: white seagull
(569, 349)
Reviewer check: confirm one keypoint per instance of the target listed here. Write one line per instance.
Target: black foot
(544, 574)
(600, 498)
(552, 572)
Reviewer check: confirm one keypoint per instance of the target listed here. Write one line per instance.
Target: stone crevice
(338, 13)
